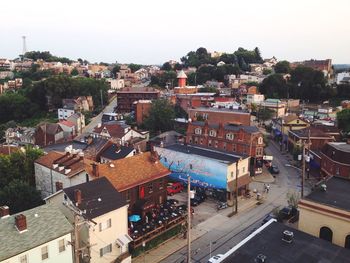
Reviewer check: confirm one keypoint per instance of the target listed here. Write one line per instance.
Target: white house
(105, 213)
(64, 113)
(255, 98)
(116, 84)
(41, 234)
(55, 171)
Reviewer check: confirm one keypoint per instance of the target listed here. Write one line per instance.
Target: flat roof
(220, 110)
(337, 194)
(204, 152)
(304, 248)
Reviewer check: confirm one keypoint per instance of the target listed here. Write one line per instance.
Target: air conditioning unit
(287, 236)
(261, 258)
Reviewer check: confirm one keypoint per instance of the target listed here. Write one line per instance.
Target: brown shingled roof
(75, 162)
(130, 172)
(114, 130)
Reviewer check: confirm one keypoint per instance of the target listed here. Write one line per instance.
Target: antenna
(24, 50)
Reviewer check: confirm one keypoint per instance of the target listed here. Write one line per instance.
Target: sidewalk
(173, 245)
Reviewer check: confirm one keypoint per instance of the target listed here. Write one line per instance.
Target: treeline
(33, 99)
(17, 180)
(46, 56)
(207, 69)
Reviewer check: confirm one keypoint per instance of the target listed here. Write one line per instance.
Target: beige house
(325, 213)
(103, 216)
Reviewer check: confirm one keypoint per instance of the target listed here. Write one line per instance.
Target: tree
(115, 69)
(267, 71)
(20, 196)
(166, 66)
(343, 118)
(134, 67)
(161, 117)
(265, 114)
(74, 72)
(258, 57)
(274, 86)
(282, 67)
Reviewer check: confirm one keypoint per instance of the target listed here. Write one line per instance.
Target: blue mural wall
(204, 172)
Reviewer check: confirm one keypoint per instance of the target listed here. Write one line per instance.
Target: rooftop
(116, 130)
(138, 90)
(304, 248)
(204, 152)
(130, 172)
(115, 152)
(44, 223)
(337, 151)
(337, 194)
(98, 197)
(314, 132)
(220, 110)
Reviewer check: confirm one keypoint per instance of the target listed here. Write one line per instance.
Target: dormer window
(212, 133)
(260, 140)
(198, 131)
(230, 136)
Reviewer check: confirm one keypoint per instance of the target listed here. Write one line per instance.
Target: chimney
(154, 156)
(4, 211)
(77, 197)
(21, 222)
(95, 170)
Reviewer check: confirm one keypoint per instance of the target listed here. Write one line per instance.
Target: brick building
(141, 179)
(127, 96)
(142, 108)
(48, 133)
(223, 115)
(336, 159)
(239, 139)
(188, 101)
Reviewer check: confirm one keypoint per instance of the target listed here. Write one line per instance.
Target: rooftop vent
(54, 166)
(261, 258)
(324, 187)
(67, 171)
(60, 168)
(287, 236)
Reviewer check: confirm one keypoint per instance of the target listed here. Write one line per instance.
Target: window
(231, 174)
(337, 170)
(165, 159)
(44, 253)
(347, 241)
(127, 195)
(59, 186)
(260, 140)
(61, 245)
(161, 184)
(209, 142)
(234, 147)
(105, 225)
(150, 188)
(212, 133)
(326, 233)
(23, 259)
(243, 169)
(105, 250)
(205, 116)
(191, 166)
(224, 145)
(229, 136)
(198, 131)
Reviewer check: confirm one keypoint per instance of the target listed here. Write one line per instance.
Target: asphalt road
(233, 230)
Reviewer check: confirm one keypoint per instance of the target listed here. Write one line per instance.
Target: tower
(181, 77)
(24, 50)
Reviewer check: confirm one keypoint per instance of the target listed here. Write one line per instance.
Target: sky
(155, 31)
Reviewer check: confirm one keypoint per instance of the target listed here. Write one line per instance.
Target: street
(222, 232)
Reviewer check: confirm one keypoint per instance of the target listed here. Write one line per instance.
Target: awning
(123, 240)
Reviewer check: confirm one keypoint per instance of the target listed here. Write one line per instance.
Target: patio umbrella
(134, 218)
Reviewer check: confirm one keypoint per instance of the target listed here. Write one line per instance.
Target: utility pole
(308, 151)
(303, 170)
(236, 189)
(76, 238)
(188, 219)
(101, 98)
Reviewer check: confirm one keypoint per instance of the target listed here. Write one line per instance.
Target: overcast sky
(154, 31)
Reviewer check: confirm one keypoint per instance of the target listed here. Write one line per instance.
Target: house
(325, 66)
(276, 242)
(281, 126)
(336, 159)
(111, 117)
(105, 213)
(41, 234)
(127, 96)
(232, 138)
(142, 108)
(68, 128)
(166, 138)
(55, 171)
(223, 115)
(64, 113)
(276, 105)
(195, 100)
(142, 180)
(255, 98)
(116, 84)
(325, 212)
(116, 152)
(8, 149)
(78, 119)
(48, 133)
(209, 169)
(82, 103)
(117, 131)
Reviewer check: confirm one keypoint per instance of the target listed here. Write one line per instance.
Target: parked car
(287, 213)
(196, 200)
(274, 169)
(174, 188)
(216, 258)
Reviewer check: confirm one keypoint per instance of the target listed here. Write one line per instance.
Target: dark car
(274, 169)
(287, 213)
(195, 201)
(268, 217)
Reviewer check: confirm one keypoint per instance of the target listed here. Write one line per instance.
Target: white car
(216, 259)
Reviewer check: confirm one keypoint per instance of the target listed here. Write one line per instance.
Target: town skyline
(99, 34)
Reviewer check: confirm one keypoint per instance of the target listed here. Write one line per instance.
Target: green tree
(343, 118)
(20, 196)
(134, 67)
(265, 114)
(115, 69)
(267, 71)
(74, 72)
(161, 117)
(166, 66)
(274, 86)
(282, 67)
